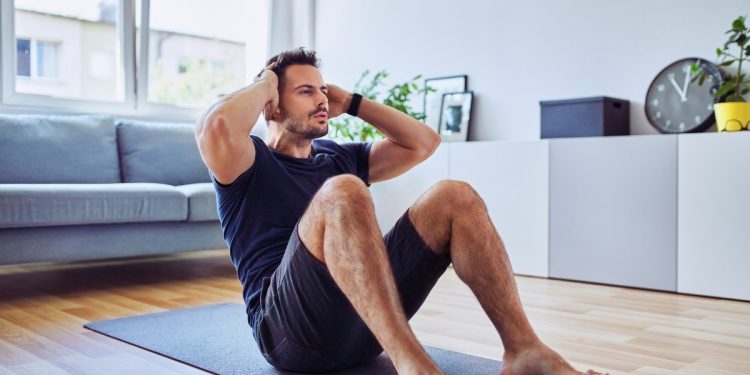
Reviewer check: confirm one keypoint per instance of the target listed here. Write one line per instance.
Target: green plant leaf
(739, 24)
(734, 98)
(727, 63)
(397, 96)
(698, 76)
(725, 88)
(741, 40)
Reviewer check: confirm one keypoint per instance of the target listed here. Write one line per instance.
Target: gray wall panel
(714, 240)
(613, 215)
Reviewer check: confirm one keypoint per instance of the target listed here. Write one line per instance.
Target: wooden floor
(623, 331)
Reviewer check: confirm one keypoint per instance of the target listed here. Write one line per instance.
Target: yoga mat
(217, 338)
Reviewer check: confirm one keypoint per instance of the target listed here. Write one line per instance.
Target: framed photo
(433, 100)
(455, 116)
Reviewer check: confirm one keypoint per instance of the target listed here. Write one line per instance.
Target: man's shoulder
(258, 141)
(327, 146)
(330, 145)
(325, 142)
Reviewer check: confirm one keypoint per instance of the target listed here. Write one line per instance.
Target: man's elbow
(212, 124)
(432, 145)
(210, 129)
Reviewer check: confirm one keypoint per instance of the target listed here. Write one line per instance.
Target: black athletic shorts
(307, 324)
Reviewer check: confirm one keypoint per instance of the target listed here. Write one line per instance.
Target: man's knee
(456, 195)
(340, 196)
(344, 191)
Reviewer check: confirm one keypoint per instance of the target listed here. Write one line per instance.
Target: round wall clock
(676, 103)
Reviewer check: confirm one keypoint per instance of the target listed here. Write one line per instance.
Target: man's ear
(276, 116)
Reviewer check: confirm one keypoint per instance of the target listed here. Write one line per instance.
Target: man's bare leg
(339, 228)
(453, 219)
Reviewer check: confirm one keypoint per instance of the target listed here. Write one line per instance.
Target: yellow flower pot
(732, 116)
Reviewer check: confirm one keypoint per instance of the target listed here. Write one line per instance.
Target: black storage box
(585, 117)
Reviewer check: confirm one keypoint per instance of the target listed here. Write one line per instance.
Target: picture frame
(434, 99)
(455, 116)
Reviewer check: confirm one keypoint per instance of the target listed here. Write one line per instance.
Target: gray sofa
(91, 187)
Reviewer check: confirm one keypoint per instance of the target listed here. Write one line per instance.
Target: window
(36, 59)
(201, 52)
(134, 57)
(46, 59)
(53, 40)
(23, 57)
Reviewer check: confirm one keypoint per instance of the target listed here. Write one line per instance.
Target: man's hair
(298, 56)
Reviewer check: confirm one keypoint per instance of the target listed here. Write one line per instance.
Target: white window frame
(135, 102)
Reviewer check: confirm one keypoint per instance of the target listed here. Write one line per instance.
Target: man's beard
(299, 127)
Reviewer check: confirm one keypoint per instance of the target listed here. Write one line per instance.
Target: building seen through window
(71, 49)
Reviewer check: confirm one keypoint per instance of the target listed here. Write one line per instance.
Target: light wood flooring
(623, 331)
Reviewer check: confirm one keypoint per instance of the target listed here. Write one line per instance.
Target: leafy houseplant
(369, 86)
(734, 113)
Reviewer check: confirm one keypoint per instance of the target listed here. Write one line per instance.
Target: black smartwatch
(354, 106)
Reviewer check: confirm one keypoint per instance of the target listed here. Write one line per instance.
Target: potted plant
(399, 96)
(733, 113)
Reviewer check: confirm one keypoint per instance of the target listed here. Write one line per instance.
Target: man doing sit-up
(324, 289)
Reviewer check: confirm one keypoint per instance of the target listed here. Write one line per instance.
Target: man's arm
(409, 142)
(223, 131)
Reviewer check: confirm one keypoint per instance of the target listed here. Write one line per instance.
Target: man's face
(303, 102)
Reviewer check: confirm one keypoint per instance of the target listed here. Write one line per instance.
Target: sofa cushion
(31, 205)
(58, 149)
(201, 201)
(164, 153)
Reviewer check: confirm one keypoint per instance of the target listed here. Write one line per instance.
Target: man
(324, 290)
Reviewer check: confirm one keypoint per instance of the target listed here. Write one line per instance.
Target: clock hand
(685, 86)
(682, 96)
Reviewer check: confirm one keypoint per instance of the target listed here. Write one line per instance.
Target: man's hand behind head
(268, 77)
(338, 100)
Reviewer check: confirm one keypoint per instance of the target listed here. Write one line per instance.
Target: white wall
(518, 53)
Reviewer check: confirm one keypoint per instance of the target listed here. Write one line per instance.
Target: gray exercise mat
(217, 338)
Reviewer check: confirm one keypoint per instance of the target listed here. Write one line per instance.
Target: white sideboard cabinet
(613, 216)
(664, 212)
(714, 215)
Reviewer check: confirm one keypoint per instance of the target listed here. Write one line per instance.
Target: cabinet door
(613, 210)
(393, 197)
(512, 178)
(714, 206)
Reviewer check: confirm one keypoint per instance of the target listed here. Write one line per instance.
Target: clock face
(675, 103)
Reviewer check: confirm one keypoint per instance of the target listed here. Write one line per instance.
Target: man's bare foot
(538, 359)
(416, 364)
(414, 369)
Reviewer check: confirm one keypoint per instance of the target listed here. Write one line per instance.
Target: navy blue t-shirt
(259, 210)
